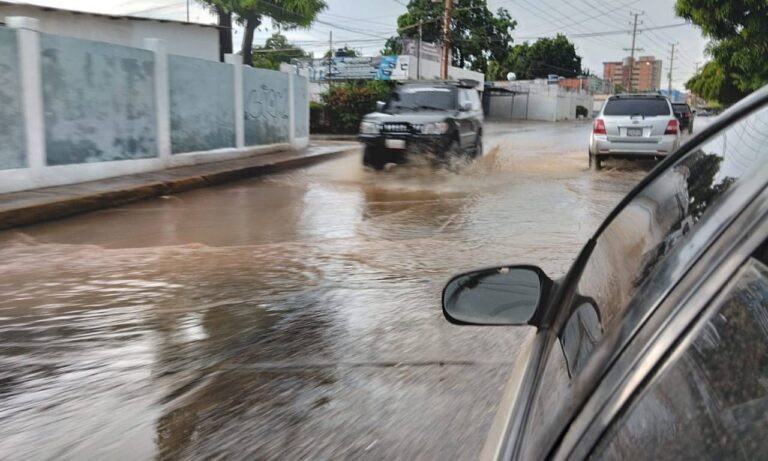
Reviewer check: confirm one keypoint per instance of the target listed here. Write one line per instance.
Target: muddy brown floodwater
(293, 316)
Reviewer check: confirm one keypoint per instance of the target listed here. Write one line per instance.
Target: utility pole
(671, 68)
(446, 38)
(187, 10)
(330, 57)
(633, 49)
(418, 53)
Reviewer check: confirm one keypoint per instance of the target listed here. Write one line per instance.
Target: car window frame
(554, 320)
(698, 292)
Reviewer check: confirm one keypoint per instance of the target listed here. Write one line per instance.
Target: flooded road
(293, 316)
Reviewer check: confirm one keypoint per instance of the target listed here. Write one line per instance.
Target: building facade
(181, 38)
(643, 74)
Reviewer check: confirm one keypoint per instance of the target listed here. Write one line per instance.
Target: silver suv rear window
(641, 106)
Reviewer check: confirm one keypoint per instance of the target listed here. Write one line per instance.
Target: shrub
(581, 111)
(346, 103)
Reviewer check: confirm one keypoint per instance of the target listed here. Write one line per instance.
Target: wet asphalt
(293, 316)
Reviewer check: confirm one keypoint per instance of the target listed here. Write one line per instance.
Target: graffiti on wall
(202, 104)
(11, 121)
(266, 106)
(98, 101)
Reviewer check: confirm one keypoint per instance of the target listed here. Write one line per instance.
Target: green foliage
(582, 111)
(285, 14)
(477, 35)
(345, 52)
(739, 33)
(276, 50)
(545, 56)
(345, 104)
(393, 47)
(714, 83)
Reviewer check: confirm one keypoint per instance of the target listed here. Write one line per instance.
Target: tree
(276, 50)
(285, 14)
(394, 46)
(714, 83)
(545, 56)
(345, 52)
(476, 35)
(738, 31)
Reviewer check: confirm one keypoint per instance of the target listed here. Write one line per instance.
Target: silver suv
(634, 126)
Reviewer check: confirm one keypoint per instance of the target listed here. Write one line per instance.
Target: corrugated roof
(108, 16)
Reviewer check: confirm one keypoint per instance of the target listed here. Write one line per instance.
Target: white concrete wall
(190, 40)
(38, 171)
(540, 103)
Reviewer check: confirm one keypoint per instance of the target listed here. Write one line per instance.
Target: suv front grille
(400, 127)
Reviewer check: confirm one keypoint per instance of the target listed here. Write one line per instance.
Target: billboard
(429, 51)
(358, 68)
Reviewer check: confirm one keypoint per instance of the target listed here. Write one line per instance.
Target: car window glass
(633, 247)
(680, 108)
(712, 402)
(420, 97)
(646, 107)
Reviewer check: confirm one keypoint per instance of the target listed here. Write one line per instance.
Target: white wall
(544, 102)
(191, 40)
(430, 70)
(38, 171)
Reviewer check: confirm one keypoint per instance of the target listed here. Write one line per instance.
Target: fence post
(30, 72)
(237, 64)
(162, 98)
(292, 109)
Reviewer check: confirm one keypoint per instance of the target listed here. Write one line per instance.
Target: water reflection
(294, 316)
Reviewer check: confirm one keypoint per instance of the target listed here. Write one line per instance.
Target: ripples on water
(314, 333)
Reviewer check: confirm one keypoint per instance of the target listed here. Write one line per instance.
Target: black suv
(444, 119)
(685, 115)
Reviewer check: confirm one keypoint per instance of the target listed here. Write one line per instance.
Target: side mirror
(465, 106)
(509, 295)
(380, 105)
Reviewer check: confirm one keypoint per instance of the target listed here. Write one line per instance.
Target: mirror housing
(507, 295)
(465, 106)
(380, 105)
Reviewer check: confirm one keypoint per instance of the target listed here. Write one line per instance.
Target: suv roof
(638, 96)
(463, 83)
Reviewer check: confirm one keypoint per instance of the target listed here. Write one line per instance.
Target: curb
(77, 204)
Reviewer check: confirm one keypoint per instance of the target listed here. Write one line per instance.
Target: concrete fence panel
(202, 101)
(301, 106)
(267, 117)
(99, 101)
(12, 146)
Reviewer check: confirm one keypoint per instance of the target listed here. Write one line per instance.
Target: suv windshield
(646, 107)
(423, 97)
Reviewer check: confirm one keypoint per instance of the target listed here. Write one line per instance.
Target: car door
(708, 398)
(642, 251)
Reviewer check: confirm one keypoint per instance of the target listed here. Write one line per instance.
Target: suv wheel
(478, 146)
(370, 159)
(594, 162)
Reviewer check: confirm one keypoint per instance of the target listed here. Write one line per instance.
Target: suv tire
(370, 159)
(478, 152)
(595, 163)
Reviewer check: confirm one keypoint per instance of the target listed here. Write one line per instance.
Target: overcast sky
(369, 22)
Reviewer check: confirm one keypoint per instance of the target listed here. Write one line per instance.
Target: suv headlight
(435, 128)
(369, 128)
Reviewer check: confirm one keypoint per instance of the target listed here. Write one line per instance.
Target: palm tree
(286, 14)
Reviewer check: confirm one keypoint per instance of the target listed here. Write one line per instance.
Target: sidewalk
(33, 206)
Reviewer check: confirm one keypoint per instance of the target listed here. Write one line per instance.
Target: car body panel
(615, 353)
